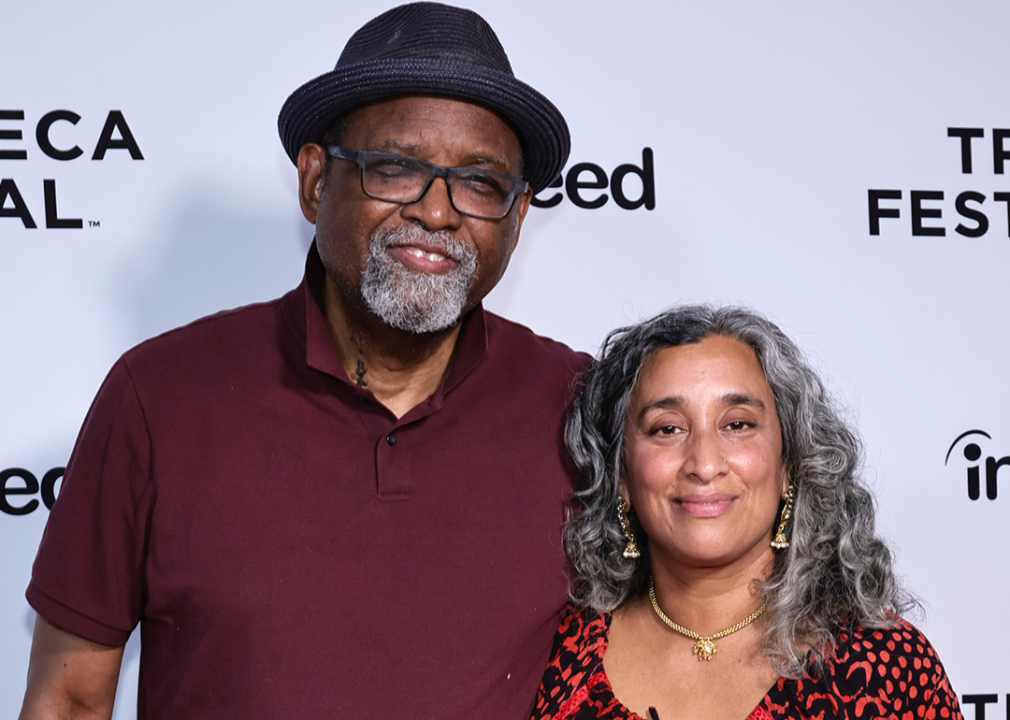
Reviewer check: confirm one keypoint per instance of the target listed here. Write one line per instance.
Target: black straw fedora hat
(427, 48)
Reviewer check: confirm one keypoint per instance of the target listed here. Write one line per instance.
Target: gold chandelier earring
(630, 549)
(780, 541)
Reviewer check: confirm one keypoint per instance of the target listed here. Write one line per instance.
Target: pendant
(704, 649)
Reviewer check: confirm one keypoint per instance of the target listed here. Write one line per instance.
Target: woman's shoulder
(896, 651)
(577, 658)
(893, 668)
(579, 644)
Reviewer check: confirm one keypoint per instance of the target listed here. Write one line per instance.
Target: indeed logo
(585, 182)
(18, 483)
(972, 452)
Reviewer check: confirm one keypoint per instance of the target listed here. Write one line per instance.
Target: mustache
(440, 241)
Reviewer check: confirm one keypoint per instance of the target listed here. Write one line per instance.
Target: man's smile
(422, 259)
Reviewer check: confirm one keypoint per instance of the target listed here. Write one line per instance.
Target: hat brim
(542, 130)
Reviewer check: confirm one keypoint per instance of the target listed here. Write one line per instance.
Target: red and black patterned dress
(891, 673)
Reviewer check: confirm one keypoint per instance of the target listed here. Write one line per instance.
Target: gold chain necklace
(705, 647)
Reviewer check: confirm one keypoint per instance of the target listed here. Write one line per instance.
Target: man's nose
(434, 210)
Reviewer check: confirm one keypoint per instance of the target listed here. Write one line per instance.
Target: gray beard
(413, 301)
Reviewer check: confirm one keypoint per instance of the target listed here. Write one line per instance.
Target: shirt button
(391, 438)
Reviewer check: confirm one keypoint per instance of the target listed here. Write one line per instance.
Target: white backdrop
(769, 123)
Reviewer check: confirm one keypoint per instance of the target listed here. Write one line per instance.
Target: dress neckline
(760, 711)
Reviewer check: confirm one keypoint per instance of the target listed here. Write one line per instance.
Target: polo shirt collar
(305, 314)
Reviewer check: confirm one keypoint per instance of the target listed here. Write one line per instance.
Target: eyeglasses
(404, 179)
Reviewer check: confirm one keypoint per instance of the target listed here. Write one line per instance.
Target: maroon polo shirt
(291, 549)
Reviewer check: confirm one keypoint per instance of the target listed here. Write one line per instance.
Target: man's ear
(524, 206)
(311, 165)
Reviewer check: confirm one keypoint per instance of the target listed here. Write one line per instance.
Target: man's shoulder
(225, 327)
(229, 341)
(510, 337)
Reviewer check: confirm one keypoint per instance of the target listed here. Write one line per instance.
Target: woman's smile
(705, 506)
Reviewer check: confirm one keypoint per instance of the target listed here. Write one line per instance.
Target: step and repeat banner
(842, 167)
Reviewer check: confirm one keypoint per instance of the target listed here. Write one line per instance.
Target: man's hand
(69, 678)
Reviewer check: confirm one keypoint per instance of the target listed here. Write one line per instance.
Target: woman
(723, 546)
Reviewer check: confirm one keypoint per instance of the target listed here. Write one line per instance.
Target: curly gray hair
(836, 570)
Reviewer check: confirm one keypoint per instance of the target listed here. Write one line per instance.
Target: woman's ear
(786, 483)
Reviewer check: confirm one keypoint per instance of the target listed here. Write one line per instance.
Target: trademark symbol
(94, 223)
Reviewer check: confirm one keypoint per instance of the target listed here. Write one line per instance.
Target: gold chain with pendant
(705, 647)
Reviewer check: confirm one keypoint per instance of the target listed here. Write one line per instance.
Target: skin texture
(405, 368)
(704, 473)
(69, 678)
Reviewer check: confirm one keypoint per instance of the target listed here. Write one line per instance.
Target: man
(346, 502)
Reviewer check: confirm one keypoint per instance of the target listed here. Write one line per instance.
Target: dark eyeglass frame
(361, 157)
